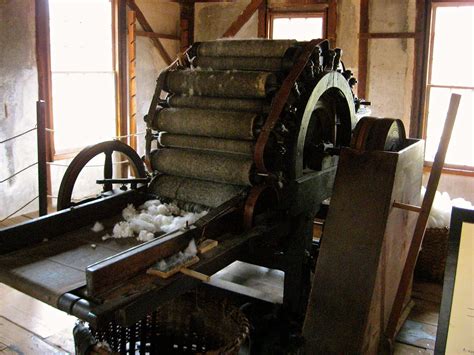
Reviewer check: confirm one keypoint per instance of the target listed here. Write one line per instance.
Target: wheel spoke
(108, 169)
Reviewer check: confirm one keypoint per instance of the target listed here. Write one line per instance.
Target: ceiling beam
(147, 28)
(243, 18)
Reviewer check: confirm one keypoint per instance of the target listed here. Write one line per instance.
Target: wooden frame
(296, 14)
(428, 85)
(458, 217)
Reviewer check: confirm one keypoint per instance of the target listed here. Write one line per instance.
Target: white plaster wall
(18, 93)
(213, 19)
(347, 33)
(163, 18)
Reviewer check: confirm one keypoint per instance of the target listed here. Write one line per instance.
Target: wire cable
(18, 135)
(18, 172)
(88, 166)
(18, 210)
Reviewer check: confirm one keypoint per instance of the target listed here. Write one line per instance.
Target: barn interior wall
(19, 92)
(389, 76)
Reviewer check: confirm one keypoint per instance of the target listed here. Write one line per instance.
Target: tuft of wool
(150, 203)
(179, 258)
(97, 227)
(129, 212)
(137, 225)
(191, 249)
(440, 214)
(122, 230)
(145, 236)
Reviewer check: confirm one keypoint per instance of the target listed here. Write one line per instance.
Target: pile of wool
(178, 259)
(150, 218)
(440, 214)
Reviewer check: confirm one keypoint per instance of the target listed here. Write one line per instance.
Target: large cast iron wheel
(86, 155)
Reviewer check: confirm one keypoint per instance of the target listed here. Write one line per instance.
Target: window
(299, 26)
(82, 73)
(451, 70)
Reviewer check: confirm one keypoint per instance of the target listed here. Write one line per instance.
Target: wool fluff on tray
(440, 214)
(150, 218)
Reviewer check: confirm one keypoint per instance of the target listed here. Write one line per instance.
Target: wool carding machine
(249, 130)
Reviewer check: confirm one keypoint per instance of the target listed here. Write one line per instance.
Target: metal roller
(224, 168)
(196, 122)
(207, 144)
(216, 103)
(210, 194)
(245, 48)
(234, 84)
(243, 63)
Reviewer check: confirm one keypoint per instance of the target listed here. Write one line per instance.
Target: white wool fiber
(179, 258)
(150, 203)
(97, 227)
(150, 218)
(137, 225)
(440, 214)
(191, 249)
(122, 230)
(107, 236)
(129, 212)
(145, 236)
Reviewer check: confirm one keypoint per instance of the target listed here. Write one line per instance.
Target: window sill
(451, 169)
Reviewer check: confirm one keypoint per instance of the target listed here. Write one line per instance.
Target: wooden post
(42, 168)
(363, 49)
(187, 25)
(132, 81)
(422, 219)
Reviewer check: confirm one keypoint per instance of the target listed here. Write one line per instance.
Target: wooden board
(31, 314)
(418, 334)
(365, 244)
(20, 341)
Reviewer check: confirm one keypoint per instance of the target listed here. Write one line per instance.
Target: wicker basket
(432, 258)
(190, 324)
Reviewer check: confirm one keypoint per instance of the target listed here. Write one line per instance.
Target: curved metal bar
(279, 102)
(87, 154)
(330, 80)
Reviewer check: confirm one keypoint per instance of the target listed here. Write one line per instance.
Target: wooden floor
(28, 326)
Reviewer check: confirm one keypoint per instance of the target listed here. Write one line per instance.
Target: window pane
(461, 146)
(299, 28)
(453, 47)
(81, 35)
(84, 109)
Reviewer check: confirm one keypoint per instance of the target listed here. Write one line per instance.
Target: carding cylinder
(234, 84)
(206, 144)
(228, 168)
(207, 193)
(240, 63)
(245, 48)
(217, 103)
(196, 122)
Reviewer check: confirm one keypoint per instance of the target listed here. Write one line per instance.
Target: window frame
(428, 85)
(273, 14)
(119, 65)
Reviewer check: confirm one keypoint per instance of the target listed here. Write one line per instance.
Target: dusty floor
(28, 326)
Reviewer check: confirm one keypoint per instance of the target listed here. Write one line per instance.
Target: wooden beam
(132, 79)
(243, 18)
(422, 220)
(388, 35)
(187, 25)
(332, 22)
(156, 35)
(43, 59)
(147, 27)
(419, 67)
(363, 49)
(262, 20)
